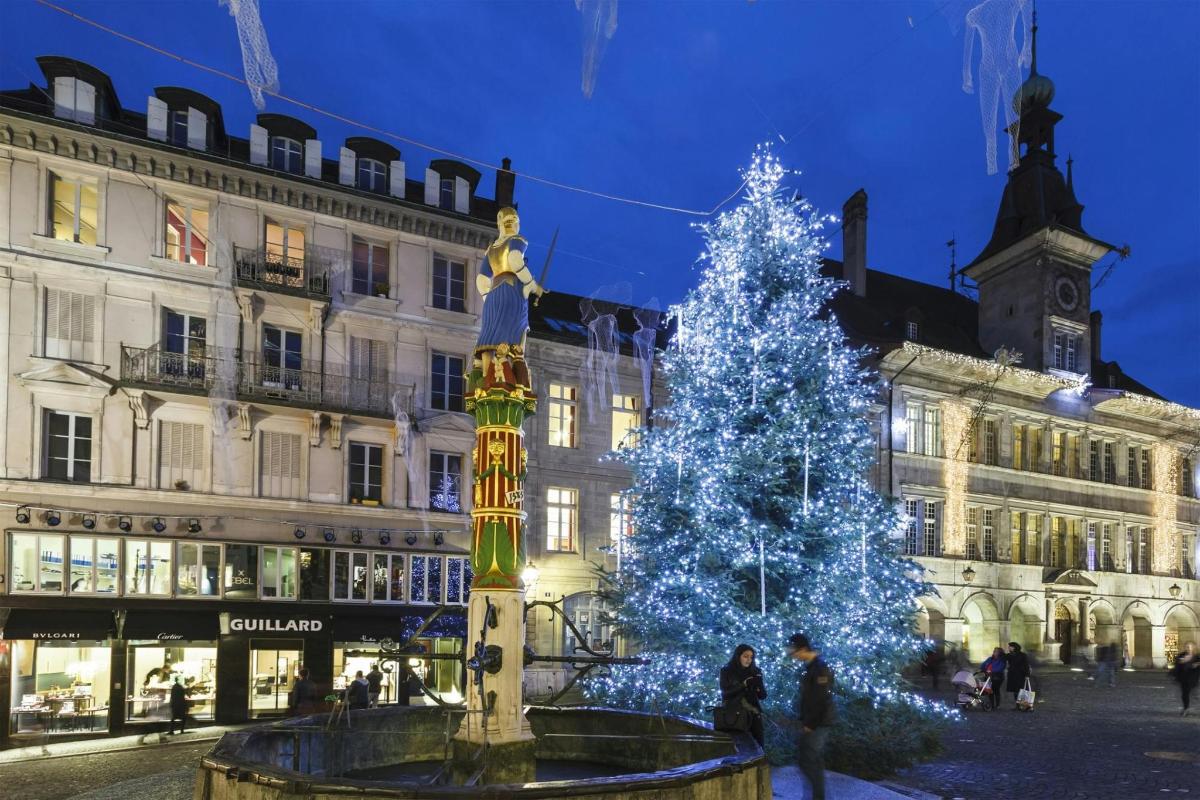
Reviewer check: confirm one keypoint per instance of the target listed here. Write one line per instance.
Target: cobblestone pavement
(1085, 742)
(162, 766)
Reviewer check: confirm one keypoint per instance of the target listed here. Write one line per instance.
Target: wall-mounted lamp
(125, 523)
(299, 533)
(329, 534)
(53, 518)
(23, 514)
(159, 525)
(89, 521)
(194, 525)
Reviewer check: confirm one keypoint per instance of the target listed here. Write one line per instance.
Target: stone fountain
(496, 746)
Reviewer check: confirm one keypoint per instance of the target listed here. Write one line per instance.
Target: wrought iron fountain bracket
(582, 664)
(391, 654)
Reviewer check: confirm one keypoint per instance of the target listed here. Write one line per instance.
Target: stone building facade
(1051, 497)
(230, 403)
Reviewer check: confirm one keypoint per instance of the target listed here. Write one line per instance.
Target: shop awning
(398, 625)
(172, 626)
(58, 625)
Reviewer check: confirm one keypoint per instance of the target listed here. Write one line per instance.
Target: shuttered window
(70, 325)
(180, 455)
(280, 470)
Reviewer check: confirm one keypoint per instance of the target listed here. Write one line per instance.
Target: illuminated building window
(626, 420)
(924, 426)
(972, 532)
(989, 534)
(561, 507)
(561, 412)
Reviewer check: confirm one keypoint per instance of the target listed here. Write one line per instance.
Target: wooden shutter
(346, 166)
(379, 359)
(197, 130)
(397, 179)
(280, 469)
(85, 103)
(360, 358)
(156, 119)
(312, 158)
(70, 321)
(462, 196)
(180, 454)
(258, 145)
(433, 187)
(64, 97)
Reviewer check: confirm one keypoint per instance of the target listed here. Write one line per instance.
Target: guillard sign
(269, 625)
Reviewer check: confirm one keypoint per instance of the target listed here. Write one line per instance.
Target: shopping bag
(1026, 697)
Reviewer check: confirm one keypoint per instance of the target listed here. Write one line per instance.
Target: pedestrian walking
(374, 685)
(933, 663)
(303, 697)
(1016, 670)
(742, 688)
(357, 693)
(817, 712)
(994, 666)
(1187, 673)
(179, 706)
(1106, 665)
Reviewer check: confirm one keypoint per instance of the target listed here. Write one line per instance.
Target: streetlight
(968, 574)
(530, 575)
(1175, 590)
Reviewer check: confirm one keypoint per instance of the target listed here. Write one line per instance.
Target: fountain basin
(397, 752)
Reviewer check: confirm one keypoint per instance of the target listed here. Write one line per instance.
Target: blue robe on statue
(505, 307)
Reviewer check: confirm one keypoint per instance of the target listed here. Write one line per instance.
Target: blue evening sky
(867, 95)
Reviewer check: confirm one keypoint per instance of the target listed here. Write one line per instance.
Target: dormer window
(912, 331)
(372, 175)
(287, 155)
(75, 100)
(447, 195)
(177, 128)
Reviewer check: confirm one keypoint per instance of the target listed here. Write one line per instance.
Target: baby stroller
(974, 691)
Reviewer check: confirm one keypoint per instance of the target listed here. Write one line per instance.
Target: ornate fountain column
(494, 744)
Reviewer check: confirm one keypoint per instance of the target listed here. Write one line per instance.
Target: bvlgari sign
(272, 625)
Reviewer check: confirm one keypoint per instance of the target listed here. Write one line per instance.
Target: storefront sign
(169, 637)
(55, 635)
(260, 625)
(56, 624)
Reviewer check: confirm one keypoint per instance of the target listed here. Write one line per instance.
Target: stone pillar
(1158, 646)
(1085, 632)
(954, 630)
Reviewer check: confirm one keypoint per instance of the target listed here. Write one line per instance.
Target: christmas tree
(752, 514)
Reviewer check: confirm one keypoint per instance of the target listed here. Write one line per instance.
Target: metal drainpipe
(891, 384)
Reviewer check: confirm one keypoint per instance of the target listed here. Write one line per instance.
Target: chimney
(1094, 320)
(505, 182)
(854, 242)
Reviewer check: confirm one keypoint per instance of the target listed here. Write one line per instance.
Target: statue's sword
(546, 266)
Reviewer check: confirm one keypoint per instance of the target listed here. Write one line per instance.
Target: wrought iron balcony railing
(273, 271)
(298, 382)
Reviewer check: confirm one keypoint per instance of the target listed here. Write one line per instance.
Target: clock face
(1066, 293)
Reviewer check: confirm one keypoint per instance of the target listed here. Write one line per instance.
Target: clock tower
(1034, 275)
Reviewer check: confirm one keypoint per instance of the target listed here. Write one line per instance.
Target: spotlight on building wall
(438, 538)
(194, 525)
(159, 525)
(385, 537)
(300, 533)
(329, 534)
(125, 524)
(53, 518)
(356, 536)
(23, 515)
(410, 538)
(89, 521)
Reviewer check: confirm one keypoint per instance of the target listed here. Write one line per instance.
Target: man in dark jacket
(179, 706)
(817, 712)
(303, 697)
(374, 686)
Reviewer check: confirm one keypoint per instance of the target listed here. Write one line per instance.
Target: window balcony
(288, 272)
(302, 383)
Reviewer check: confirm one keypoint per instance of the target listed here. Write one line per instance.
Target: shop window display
(60, 687)
(37, 562)
(199, 573)
(147, 567)
(93, 565)
(154, 666)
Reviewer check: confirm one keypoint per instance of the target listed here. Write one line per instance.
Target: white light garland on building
(956, 421)
(1166, 541)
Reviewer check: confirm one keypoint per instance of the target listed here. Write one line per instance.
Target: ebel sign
(270, 625)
